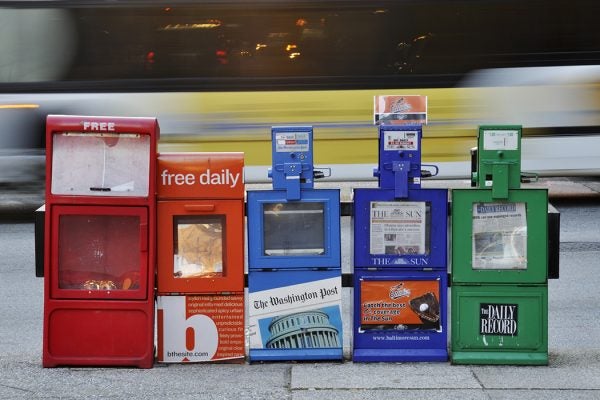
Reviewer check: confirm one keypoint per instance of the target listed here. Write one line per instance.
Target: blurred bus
(218, 74)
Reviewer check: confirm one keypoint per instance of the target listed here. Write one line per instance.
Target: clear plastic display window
(399, 228)
(499, 236)
(198, 246)
(99, 252)
(296, 229)
(102, 164)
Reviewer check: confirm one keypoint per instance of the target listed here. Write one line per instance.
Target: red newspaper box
(200, 257)
(100, 229)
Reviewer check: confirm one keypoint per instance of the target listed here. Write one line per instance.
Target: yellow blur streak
(347, 134)
(17, 106)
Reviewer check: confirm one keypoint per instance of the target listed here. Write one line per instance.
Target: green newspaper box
(499, 259)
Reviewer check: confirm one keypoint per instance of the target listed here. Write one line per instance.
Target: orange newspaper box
(200, 307)
(201, 220)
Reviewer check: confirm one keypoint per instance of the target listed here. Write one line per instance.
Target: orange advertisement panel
(400, 304)
(201, 328)
(200, 175)
(396, 109)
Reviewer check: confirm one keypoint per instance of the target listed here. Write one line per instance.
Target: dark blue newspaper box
(294, 262)
(400, 258)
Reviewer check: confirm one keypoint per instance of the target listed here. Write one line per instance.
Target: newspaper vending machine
(294, 263)
(499, 259)
(400, 257)
(200, 257)
(99, 248)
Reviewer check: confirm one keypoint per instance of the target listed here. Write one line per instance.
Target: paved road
(574, 329)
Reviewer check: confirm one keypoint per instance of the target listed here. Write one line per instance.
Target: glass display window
(400, 233)
(499, 236)
(500, 241)
(101, 253)
(293, 228)
(200, 246)
(100, 164)
(294, 234)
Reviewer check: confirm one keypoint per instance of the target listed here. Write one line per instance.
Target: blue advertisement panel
(295, 315)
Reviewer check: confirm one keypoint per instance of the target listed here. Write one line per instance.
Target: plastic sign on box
(400, 110)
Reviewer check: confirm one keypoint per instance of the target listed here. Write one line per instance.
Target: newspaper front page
(397, 227)
(499, 236)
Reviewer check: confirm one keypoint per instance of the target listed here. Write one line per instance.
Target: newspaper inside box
(399, 228)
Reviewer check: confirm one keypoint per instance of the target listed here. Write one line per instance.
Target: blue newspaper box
(400, 258)
(294, 262)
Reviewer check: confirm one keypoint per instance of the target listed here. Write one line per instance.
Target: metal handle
(199, 207)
